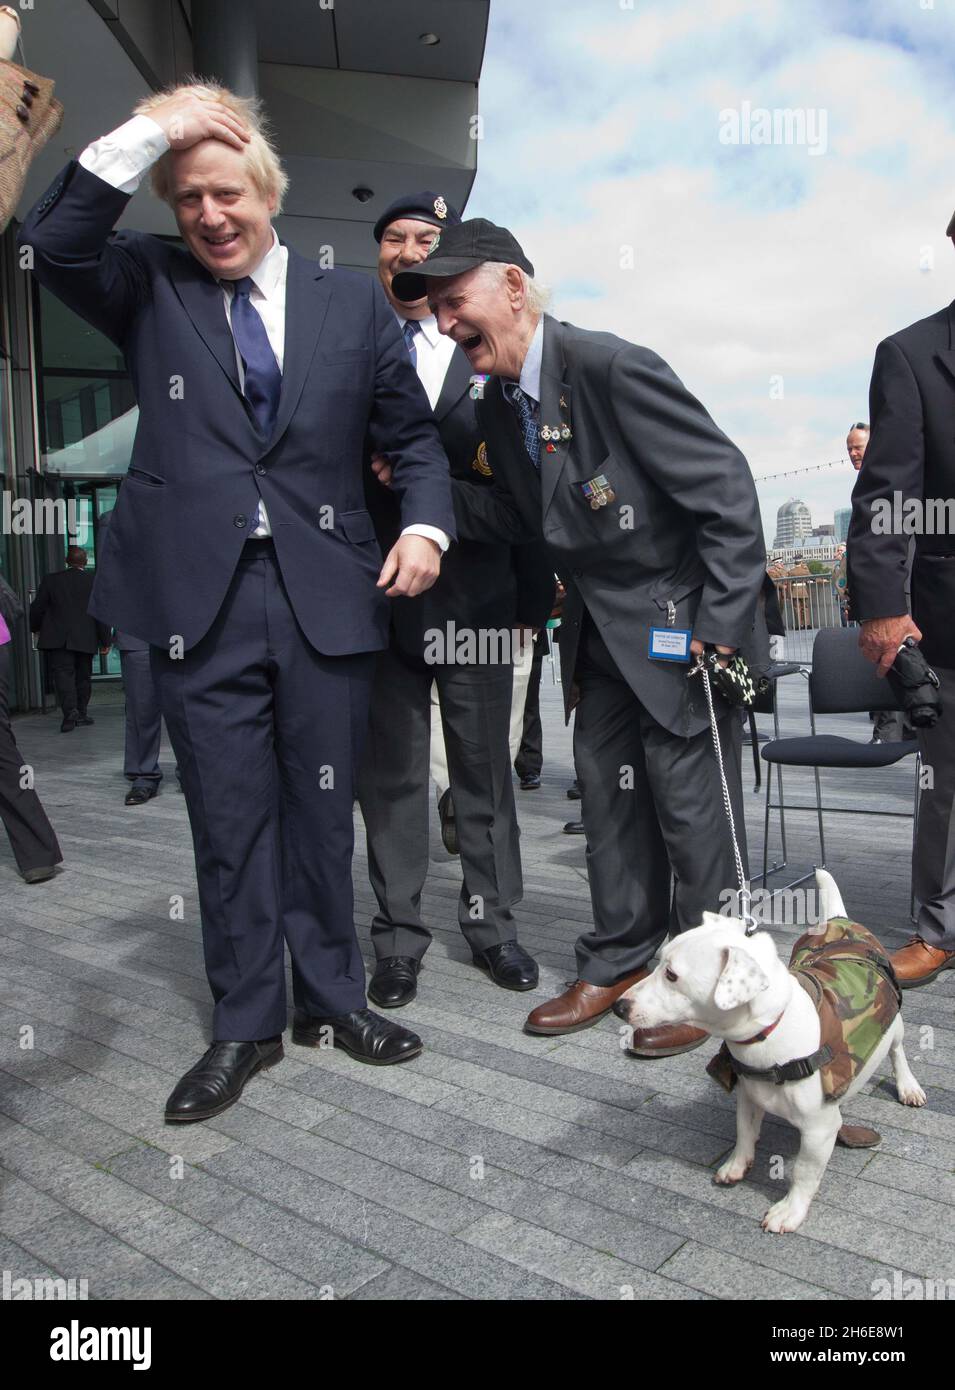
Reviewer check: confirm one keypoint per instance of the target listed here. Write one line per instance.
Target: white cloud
(750, 262)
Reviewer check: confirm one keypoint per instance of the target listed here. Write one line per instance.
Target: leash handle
(745, 897)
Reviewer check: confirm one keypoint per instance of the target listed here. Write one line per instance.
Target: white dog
(738, 989)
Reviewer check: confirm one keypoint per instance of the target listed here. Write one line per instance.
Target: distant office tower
(793, 523)
(842, 519)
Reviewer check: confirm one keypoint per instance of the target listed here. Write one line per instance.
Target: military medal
(598, 491)
(555, 432)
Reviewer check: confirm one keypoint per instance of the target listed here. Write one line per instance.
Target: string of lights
(794, 472)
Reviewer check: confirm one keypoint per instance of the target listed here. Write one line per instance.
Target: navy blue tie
(263, 380)
(408, 333)
(528, 418)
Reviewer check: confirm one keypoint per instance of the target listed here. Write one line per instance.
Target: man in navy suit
(241, 551)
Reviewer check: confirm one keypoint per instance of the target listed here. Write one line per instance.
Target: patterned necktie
(528, 418)
(263, 380)
(408, 333)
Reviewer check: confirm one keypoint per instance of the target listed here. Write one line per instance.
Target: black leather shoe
(39, 875)
(508, 965)
(573, 791)
(362, 1034)
(69, 723)
(217, 1079)
(395, 982)
(531, 782)
(140, 793)
(449, 829)
(84, 719)
(574, 827)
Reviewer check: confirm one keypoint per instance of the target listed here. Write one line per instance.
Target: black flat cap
(458, 249)
(423, 207)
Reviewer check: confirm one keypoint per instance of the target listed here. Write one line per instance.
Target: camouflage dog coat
(850, 979)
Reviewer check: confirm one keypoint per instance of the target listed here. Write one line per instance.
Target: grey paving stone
(82, 1250)
(402, 1286)
(586, 1272)
(721, 1275)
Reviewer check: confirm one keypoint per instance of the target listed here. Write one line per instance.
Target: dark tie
(263, 380)
(528, 418)
(408, 333)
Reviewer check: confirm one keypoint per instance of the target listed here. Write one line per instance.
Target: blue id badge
(670, 643)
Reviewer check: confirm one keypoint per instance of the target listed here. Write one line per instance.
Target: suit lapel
(947, 355)
(307, 296)
(457, 381)
(201, 297)
(555, 410)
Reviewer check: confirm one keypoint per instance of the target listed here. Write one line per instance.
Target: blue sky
(754, 269)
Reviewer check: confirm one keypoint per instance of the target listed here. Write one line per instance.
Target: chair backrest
(843, 681)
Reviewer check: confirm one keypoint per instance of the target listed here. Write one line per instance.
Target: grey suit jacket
(683, 527)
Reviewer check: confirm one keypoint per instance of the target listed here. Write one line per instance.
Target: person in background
(31, 835)
(888, 725)
(69, 635)
(910, 457)
(482, 588)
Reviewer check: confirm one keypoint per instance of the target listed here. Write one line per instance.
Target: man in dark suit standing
(241, 551)
(909, 467)
(482, 588)
(69, 636)
(651, 519)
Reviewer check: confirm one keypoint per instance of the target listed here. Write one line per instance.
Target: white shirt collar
(530, 382)
(428, 327)
(267, 275)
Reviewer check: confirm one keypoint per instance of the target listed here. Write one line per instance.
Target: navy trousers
(143, 718)
(268, 734)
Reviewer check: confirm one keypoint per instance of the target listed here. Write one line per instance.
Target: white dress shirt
(121, 159)
(433, 353)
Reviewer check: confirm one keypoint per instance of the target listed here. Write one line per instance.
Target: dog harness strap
(797, 1070)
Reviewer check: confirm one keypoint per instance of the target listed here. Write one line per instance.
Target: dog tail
(830, 899)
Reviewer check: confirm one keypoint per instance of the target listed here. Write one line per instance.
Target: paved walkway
(495, 1166)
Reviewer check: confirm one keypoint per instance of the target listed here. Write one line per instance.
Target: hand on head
(185, 118)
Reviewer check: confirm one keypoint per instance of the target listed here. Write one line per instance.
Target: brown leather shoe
(858, 1137)
(917, 963)
(579, 1006)
(667, 1040)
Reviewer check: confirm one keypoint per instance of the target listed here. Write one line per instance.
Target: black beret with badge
(421, 207)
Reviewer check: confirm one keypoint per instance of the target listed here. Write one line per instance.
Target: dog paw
(786, 1215)
(912, 1095)
(731, 1172)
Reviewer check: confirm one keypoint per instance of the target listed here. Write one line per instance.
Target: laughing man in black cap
(483, 587)
(651, 519)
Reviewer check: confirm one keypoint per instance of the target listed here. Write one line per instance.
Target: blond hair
(261, 157)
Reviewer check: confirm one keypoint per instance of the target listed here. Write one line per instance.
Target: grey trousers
(653, 810)
(394, 788)
(933, 864)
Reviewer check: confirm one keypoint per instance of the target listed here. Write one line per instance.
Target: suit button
(240, 520)
(261, 468)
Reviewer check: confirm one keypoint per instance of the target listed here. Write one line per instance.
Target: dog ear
(741, 979)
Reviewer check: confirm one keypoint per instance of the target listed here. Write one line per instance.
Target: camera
(915, 686)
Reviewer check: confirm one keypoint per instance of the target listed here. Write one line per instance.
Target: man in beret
(485, 587)
(651, 519)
